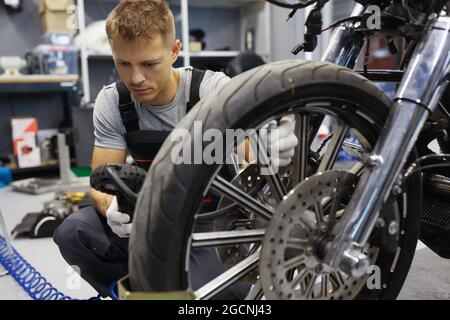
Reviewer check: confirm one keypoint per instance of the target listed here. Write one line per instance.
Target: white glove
(282, 140)
(118, 221)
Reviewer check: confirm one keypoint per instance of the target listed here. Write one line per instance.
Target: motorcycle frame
(422, 85)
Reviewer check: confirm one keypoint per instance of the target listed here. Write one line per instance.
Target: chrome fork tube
(418, 95)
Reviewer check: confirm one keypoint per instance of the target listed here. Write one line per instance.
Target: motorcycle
(319, 229)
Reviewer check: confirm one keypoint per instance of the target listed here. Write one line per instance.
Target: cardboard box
(58, 15)
(26, 150)
(195, 46)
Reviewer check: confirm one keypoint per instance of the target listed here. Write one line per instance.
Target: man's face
(145, 65)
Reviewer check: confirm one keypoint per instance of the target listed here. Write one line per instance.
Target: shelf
(40, 78)
(212, 54)
(252, 14)
(38, 83)
(218, 3)
(209, 3)
(49, 169)
(100, 56)
(40, 171)
(201, 54)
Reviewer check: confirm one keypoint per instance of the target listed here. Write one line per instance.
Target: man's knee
(65, 234)
(73, 232)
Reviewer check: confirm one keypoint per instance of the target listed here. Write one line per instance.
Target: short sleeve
(212, 81)
(109, 131)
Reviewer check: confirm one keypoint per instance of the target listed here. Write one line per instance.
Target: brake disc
(251, 182)
(289, 266)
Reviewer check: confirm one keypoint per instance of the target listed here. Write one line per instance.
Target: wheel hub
(291, 264)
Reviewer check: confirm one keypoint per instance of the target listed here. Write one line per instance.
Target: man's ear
(175, 50)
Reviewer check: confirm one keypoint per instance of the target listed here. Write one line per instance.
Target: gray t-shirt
(109, 130)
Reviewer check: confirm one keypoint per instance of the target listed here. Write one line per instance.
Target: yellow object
(75, 197)
(58, 15)
(195, 46)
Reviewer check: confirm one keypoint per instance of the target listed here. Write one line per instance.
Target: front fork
(418, 95)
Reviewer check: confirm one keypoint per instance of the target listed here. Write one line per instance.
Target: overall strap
(194, 95)
(127, 110)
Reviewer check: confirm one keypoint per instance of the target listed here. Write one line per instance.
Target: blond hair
(141, 19)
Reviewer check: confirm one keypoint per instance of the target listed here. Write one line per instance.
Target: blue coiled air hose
(34, 284)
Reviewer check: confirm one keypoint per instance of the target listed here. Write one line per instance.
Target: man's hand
(100, 157)
(281, 138)
(118, 221)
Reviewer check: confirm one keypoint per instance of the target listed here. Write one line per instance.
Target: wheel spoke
(306, 226)
(237, 195)
(302, 274)
(310, 287)
(256, 292)
(334, 208)
(330, 156)
(314, 123)
(272, 178)
(357, 168)
(229, 277)
(254, 248)
(324, 286)
(276, 185)
(337, 279)
(222, 238)
(235, 162)
(353, 149)
(292, 263)
(296, 243)
(319, 213)
(301, 152)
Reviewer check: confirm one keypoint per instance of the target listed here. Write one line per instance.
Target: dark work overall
(85, 239)
(143, 145)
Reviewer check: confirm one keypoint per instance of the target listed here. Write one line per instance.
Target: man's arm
(102, 156)
(215, 81)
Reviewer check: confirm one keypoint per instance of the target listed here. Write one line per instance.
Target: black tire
(171, 193)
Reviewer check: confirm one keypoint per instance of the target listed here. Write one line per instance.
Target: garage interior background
(59, 105)
(223, 20)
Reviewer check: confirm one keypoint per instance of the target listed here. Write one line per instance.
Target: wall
(343, 8)
(256, 18)
(285, 34)
(221, 27)
(23, 27)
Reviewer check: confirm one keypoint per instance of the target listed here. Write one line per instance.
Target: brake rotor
(251, 182)
(290, 266)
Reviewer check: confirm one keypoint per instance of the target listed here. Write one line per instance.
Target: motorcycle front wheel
(228, 257)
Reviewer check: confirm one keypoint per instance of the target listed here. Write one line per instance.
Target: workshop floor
(42, 254)
(429, 277)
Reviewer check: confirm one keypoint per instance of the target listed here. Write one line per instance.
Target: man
(144, 47)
